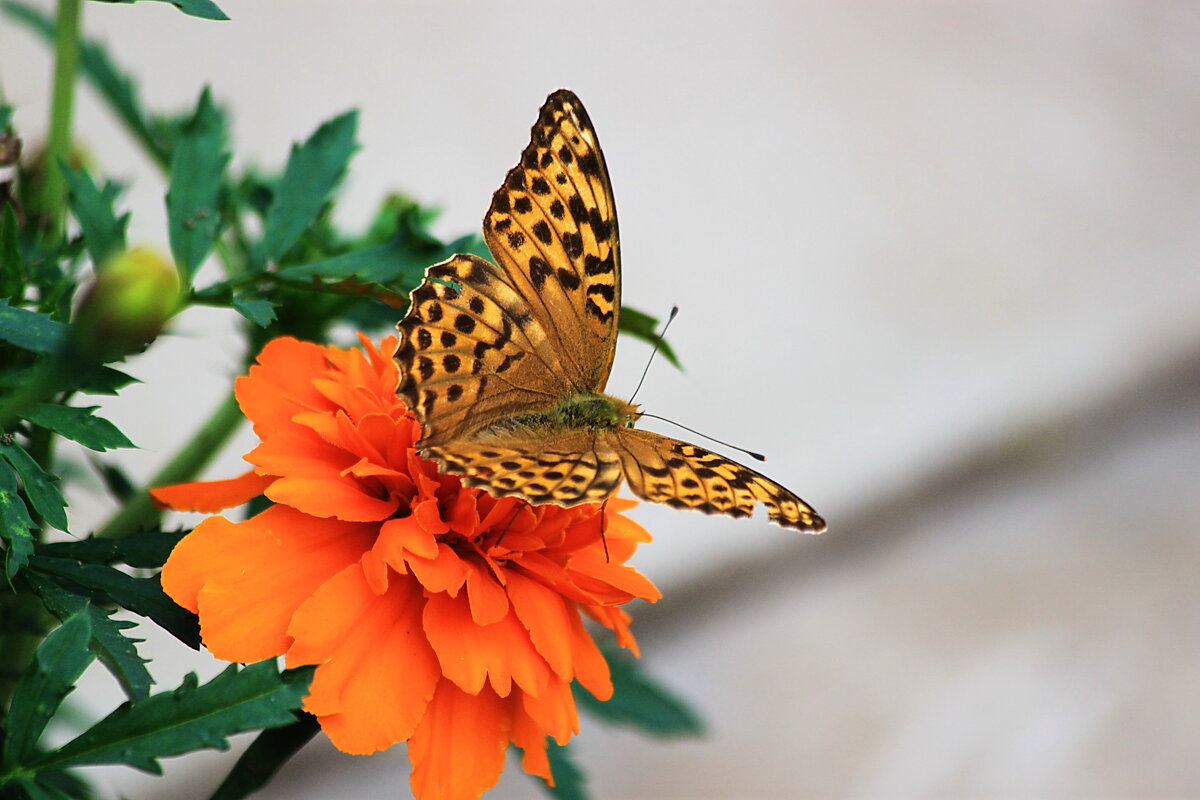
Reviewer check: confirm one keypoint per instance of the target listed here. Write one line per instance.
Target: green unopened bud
(125, 308)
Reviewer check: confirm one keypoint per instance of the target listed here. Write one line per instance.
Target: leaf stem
(140, 512)
(62, 106)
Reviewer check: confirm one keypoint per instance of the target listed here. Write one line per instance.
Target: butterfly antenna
(751, 453)
(657, 344)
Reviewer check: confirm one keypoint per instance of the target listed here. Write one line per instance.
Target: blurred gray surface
(904, 237)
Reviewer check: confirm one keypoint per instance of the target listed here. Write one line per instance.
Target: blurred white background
(939, 260)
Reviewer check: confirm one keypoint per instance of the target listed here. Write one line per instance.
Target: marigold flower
(437, 614)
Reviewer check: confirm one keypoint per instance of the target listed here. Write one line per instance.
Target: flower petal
(544, 614)
(341, 498)
(489, 603)
(469, 653)
(458, 750)
(246, 579)
(377, 672)
(280, 385)
(211, 496)
(554, 710)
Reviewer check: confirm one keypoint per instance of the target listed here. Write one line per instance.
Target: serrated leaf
(569, 780)
(15, 524)
(78, 424)
(269, 751)
(260, 312)
(61, 598)
(39, 486)
(113, 85)
(639, 701)
(147, 550)
(59, 661)
(313, 170)
(103, 231)
(142, 596)
(12, 267)
(205, 9)
(197, 168)
(119, 653)
(30, 330)
(189, 718)
(99, 379)
(641, 325)
(116, 651)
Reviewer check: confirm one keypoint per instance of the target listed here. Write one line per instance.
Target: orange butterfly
(505, 365)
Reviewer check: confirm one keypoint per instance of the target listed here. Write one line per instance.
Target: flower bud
(126, 306)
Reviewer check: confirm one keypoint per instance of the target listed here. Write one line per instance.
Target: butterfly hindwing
(566, 468)
(665, 470)
(552, 228)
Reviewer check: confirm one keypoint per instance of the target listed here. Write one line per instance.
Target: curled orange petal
(209, 497)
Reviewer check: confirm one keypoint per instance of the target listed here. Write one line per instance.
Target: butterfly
(505, 364)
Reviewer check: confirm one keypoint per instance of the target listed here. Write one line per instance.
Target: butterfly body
(505, 364)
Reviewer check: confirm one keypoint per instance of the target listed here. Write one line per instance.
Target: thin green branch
(58, 147)
(140, 512)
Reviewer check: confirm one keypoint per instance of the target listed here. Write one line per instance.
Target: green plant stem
(62, 106)
(140, 512)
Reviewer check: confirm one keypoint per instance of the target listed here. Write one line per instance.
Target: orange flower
(437, 614)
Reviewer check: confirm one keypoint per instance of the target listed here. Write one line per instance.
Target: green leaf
(6, 112)
(61, 598)
(12, 267)
(40, 488)
(640, 702)
(113, 85)
(78, 424)
(116, 651)
(642, 326)
(189, 718)
(103, 231)
(197, 168)
(205, 9)
(142, 596)
(15, 524)
(119, 653)
(569, 780)
(99, 379)
(270, 750)
(313, 170)
(50, 677)
(30, 330)
(147, 550)
(260, 312)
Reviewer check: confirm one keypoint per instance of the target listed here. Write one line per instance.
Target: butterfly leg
(604, 527)
(516, 510)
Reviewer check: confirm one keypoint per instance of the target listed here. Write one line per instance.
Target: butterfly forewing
(682, 475)
(552, 228)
